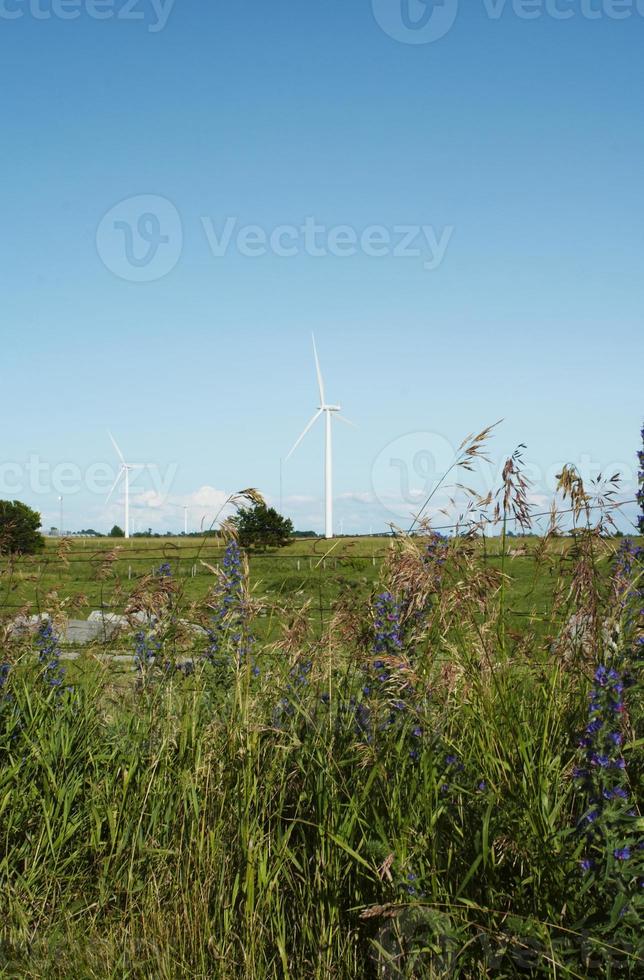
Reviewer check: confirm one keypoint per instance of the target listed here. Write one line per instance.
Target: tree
(19, 526)
(117, 532)
(261, 526)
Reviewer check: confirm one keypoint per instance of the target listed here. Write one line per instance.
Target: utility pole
(281, 501)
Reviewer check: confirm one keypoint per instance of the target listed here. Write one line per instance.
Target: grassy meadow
(415, 757)
(84, 574)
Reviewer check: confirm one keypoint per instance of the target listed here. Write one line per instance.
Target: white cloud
(206, 507)
(355, 511)
(358, 496)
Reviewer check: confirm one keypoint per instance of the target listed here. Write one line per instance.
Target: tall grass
(396, 799)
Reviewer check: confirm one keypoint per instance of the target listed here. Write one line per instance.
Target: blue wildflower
(49, 655)
(600, 675)
(230, 611)
(387, 628)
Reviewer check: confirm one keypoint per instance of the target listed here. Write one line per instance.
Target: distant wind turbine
(326, 410)
(124, 471)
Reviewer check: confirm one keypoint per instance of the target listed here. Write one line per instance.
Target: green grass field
(102, 573)
(87, 574)
(393, 789)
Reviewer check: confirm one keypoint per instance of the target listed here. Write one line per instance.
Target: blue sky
(509, 150)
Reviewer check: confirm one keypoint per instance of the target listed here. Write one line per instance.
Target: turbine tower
(124, 471)
(327, 411)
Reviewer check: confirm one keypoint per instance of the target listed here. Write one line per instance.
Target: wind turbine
(327, 411)
(124, 471)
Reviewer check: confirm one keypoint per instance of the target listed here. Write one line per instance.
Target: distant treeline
(210, 533)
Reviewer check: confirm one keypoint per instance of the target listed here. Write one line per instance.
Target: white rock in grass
(28, 624)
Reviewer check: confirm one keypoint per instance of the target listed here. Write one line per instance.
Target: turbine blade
(115, 444)
(318, 372)
(341, 418)
(115, 484)
(313, 420)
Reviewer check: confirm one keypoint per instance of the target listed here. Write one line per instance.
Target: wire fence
(134, 564)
